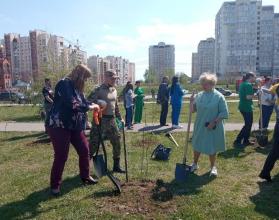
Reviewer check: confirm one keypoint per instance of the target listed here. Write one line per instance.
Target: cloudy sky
(119, 27)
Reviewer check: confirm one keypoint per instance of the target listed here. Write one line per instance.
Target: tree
(149, 76)
(169, 73)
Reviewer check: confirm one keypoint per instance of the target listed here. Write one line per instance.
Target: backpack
(161, 153)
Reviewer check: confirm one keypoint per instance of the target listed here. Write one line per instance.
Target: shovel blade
(182, 172)
(116, 182)
(99, 165)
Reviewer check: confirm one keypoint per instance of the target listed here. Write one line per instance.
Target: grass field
(151, 112)
(237, 193)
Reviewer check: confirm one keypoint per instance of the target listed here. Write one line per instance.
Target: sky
(119, 27)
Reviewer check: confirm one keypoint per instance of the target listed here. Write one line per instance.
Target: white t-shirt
(267, 98)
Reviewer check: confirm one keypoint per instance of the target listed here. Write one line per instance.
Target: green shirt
(245, 105)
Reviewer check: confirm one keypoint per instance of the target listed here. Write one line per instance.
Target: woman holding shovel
(209, 134)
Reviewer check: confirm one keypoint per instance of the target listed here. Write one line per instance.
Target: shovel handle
(188, 130)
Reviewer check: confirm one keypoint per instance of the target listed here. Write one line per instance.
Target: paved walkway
(39, 126)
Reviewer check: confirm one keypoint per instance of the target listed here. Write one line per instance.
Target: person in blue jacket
(176, 94)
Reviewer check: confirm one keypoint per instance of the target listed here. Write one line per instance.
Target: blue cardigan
(69, 107)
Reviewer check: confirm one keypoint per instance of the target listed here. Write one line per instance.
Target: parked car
(13, 97)
(225, 92)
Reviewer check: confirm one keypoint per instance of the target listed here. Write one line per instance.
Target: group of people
(67, 118)
(133, 103)
(268, 95)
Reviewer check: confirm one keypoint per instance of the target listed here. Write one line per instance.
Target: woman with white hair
(209, 133)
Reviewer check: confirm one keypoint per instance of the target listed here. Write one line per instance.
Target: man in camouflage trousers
(106, 93)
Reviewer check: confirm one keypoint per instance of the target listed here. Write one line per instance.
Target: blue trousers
(273, 155)
(266, 114)
(244, 134)
(176, 108)
(164, 113)
(129, 116)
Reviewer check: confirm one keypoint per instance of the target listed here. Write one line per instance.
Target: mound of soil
(147, 198)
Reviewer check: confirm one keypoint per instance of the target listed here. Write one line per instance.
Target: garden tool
(125, 152)
(169, 135)
(99, 160)
(182, 170)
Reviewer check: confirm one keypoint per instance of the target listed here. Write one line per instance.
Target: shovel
(100, 161)
(262, 138)
(182, 170)
(125, 153)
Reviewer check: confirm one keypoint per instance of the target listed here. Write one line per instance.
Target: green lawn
(236, 194)
(151, 112)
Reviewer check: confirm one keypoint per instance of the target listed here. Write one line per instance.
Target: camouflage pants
(110, 132)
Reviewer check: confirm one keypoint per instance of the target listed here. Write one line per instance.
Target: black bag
(161, 153)
(262, 139)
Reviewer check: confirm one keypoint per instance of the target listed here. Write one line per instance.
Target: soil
(146, 198)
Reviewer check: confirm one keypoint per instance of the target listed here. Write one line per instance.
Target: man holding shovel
(107, 93)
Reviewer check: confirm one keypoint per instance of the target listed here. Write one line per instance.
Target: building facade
(12, 50)
(245, 38)
(162, 59)
(276, 46)
(132, 73)
(195, 65)
(25, 59)
(5, 74)
(206, 55)
(123, 68)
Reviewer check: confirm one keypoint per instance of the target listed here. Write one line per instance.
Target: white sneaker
(177, 126)
(194, 167)
(213, 171)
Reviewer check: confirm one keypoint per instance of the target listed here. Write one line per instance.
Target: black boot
(116, 166)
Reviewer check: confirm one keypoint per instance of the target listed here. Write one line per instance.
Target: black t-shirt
(47, 91)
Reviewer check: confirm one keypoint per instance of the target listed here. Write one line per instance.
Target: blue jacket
(69, 107)
(176, 94)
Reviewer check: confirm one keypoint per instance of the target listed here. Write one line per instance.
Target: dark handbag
(262, 139)
(161, 153)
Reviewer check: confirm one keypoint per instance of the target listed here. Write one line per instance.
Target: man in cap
(107, 93)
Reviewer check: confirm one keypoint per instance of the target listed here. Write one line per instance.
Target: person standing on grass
(267, 101)
(129, 104)
(209, 133)
(245, 106)
(107, 93)
(67, 121)
(48, 100)
(273, 155)
(176, 94)
(163, 97)
(139, 103)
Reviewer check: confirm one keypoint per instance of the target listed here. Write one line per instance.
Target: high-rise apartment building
(276, 46)
(245, 38)
(123, 68)
(132, 72)
(204, 59)
(39, 41)
(195, 67)
(12, 42)
(25, 59)
(162, 59)
(206, 54)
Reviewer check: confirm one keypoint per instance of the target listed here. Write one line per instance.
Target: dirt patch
(147, 198)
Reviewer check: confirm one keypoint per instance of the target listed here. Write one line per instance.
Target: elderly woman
(67, 124)
(209, 133)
